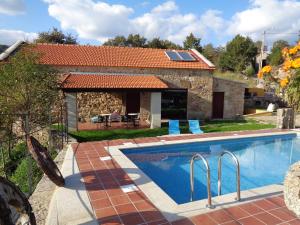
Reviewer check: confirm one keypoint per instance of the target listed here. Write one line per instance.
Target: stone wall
(233, 96)
(145, 105)
(198, 82)
(90, 104)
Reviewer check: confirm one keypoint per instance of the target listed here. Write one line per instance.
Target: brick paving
(112, 206)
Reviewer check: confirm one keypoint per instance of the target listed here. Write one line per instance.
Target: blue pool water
(263, 161)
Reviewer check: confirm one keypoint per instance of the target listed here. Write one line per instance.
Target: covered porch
(97, 101)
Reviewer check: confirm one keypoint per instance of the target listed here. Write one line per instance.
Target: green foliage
(56, 36)
(275, 58)
(240, 52)
(250, 81)
(136, 40)
(211, 53)
(27, 86)
(293, 92)
(192, 42)
(210, 126)
(3, 48)
(249, 71)
(164, 44)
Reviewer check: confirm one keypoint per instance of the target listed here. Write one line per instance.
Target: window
(174, 104)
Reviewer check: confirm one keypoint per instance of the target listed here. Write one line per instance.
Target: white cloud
(8, 37)
(275, 16)
(12, 7)
(99, 20)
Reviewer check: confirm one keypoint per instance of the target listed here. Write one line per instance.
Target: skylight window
(180, 56)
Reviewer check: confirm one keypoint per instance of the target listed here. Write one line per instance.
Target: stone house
(157, 83)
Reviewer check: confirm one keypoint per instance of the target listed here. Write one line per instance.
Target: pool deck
(104, 180)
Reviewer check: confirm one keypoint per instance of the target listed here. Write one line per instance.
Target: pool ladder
(238, 178)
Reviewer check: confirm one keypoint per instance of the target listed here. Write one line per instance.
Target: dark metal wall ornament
(44, 161)
(14, 206)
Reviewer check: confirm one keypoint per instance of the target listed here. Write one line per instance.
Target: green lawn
(210, 126)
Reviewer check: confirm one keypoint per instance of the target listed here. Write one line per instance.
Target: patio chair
(194, 127)
(97, 119)
(174, 127)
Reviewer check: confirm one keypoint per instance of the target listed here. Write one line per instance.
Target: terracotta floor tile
(111, 221)
(159, 222)
(150, 216)
(237, 213)
(268, 218)
(251, 220)
(251, 208)
(125, 209)
(114, 192)
(282, 214)
(233, 222)
(278, 200)
(294, 222)
(101, 203)
(136, 196)
(144, 205)
(105, 213)
(203, 220)
(97, 194)
(220, 216)
(266, 205)
(132, 219)
(120, 200)
(182, 222)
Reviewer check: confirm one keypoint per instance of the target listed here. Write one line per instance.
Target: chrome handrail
(238, 177)
(209, 204)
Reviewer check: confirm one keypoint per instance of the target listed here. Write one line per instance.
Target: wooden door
(133, 102)
(218, 105)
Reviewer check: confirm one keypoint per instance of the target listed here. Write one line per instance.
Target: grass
(210, 126)
(250, 81)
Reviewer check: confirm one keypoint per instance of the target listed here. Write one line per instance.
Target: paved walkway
(111, 205)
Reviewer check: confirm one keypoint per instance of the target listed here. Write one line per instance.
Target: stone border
(173, 211)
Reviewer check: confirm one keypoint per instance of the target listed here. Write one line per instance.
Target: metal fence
(14, 130)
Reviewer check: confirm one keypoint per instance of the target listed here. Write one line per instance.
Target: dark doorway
(218, 105)
(174, 104)
(133, 102)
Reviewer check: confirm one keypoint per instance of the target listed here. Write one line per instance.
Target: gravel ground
(272, 119)
(41, 197)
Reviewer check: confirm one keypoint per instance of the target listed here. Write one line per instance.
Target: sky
(94, 21)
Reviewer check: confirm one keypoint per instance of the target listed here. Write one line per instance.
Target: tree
(56, 36)
(163, 44)
(275, 58)
(117, 41)
(287, 77)
(192, 42)
(27, 86)
(212, 53)
(135, 40)
(3, 48)
(239, 53)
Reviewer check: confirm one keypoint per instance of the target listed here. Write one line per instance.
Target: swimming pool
(263, 161)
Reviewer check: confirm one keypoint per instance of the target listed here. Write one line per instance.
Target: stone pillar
(71, 101)
(285, 118)
(155, 110)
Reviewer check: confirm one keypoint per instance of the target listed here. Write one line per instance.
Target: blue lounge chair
(194, 127)
(174, 127)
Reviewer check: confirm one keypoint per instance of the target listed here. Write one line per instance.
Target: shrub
(249, 71)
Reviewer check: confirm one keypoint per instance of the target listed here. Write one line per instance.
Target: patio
(114, 125)
(103, 181)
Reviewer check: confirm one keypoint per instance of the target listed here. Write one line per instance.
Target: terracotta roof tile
(100, 81)
(107, 56)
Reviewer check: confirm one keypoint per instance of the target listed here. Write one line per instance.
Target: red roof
(100, 81)
(107, 56)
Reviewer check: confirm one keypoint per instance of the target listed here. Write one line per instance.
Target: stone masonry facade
(200, 85)
(233, 96)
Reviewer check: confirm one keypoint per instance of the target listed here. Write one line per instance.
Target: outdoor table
(131, 117)
(106, 117)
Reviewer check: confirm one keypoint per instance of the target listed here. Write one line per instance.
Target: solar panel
(173, 56)
(186, 56)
